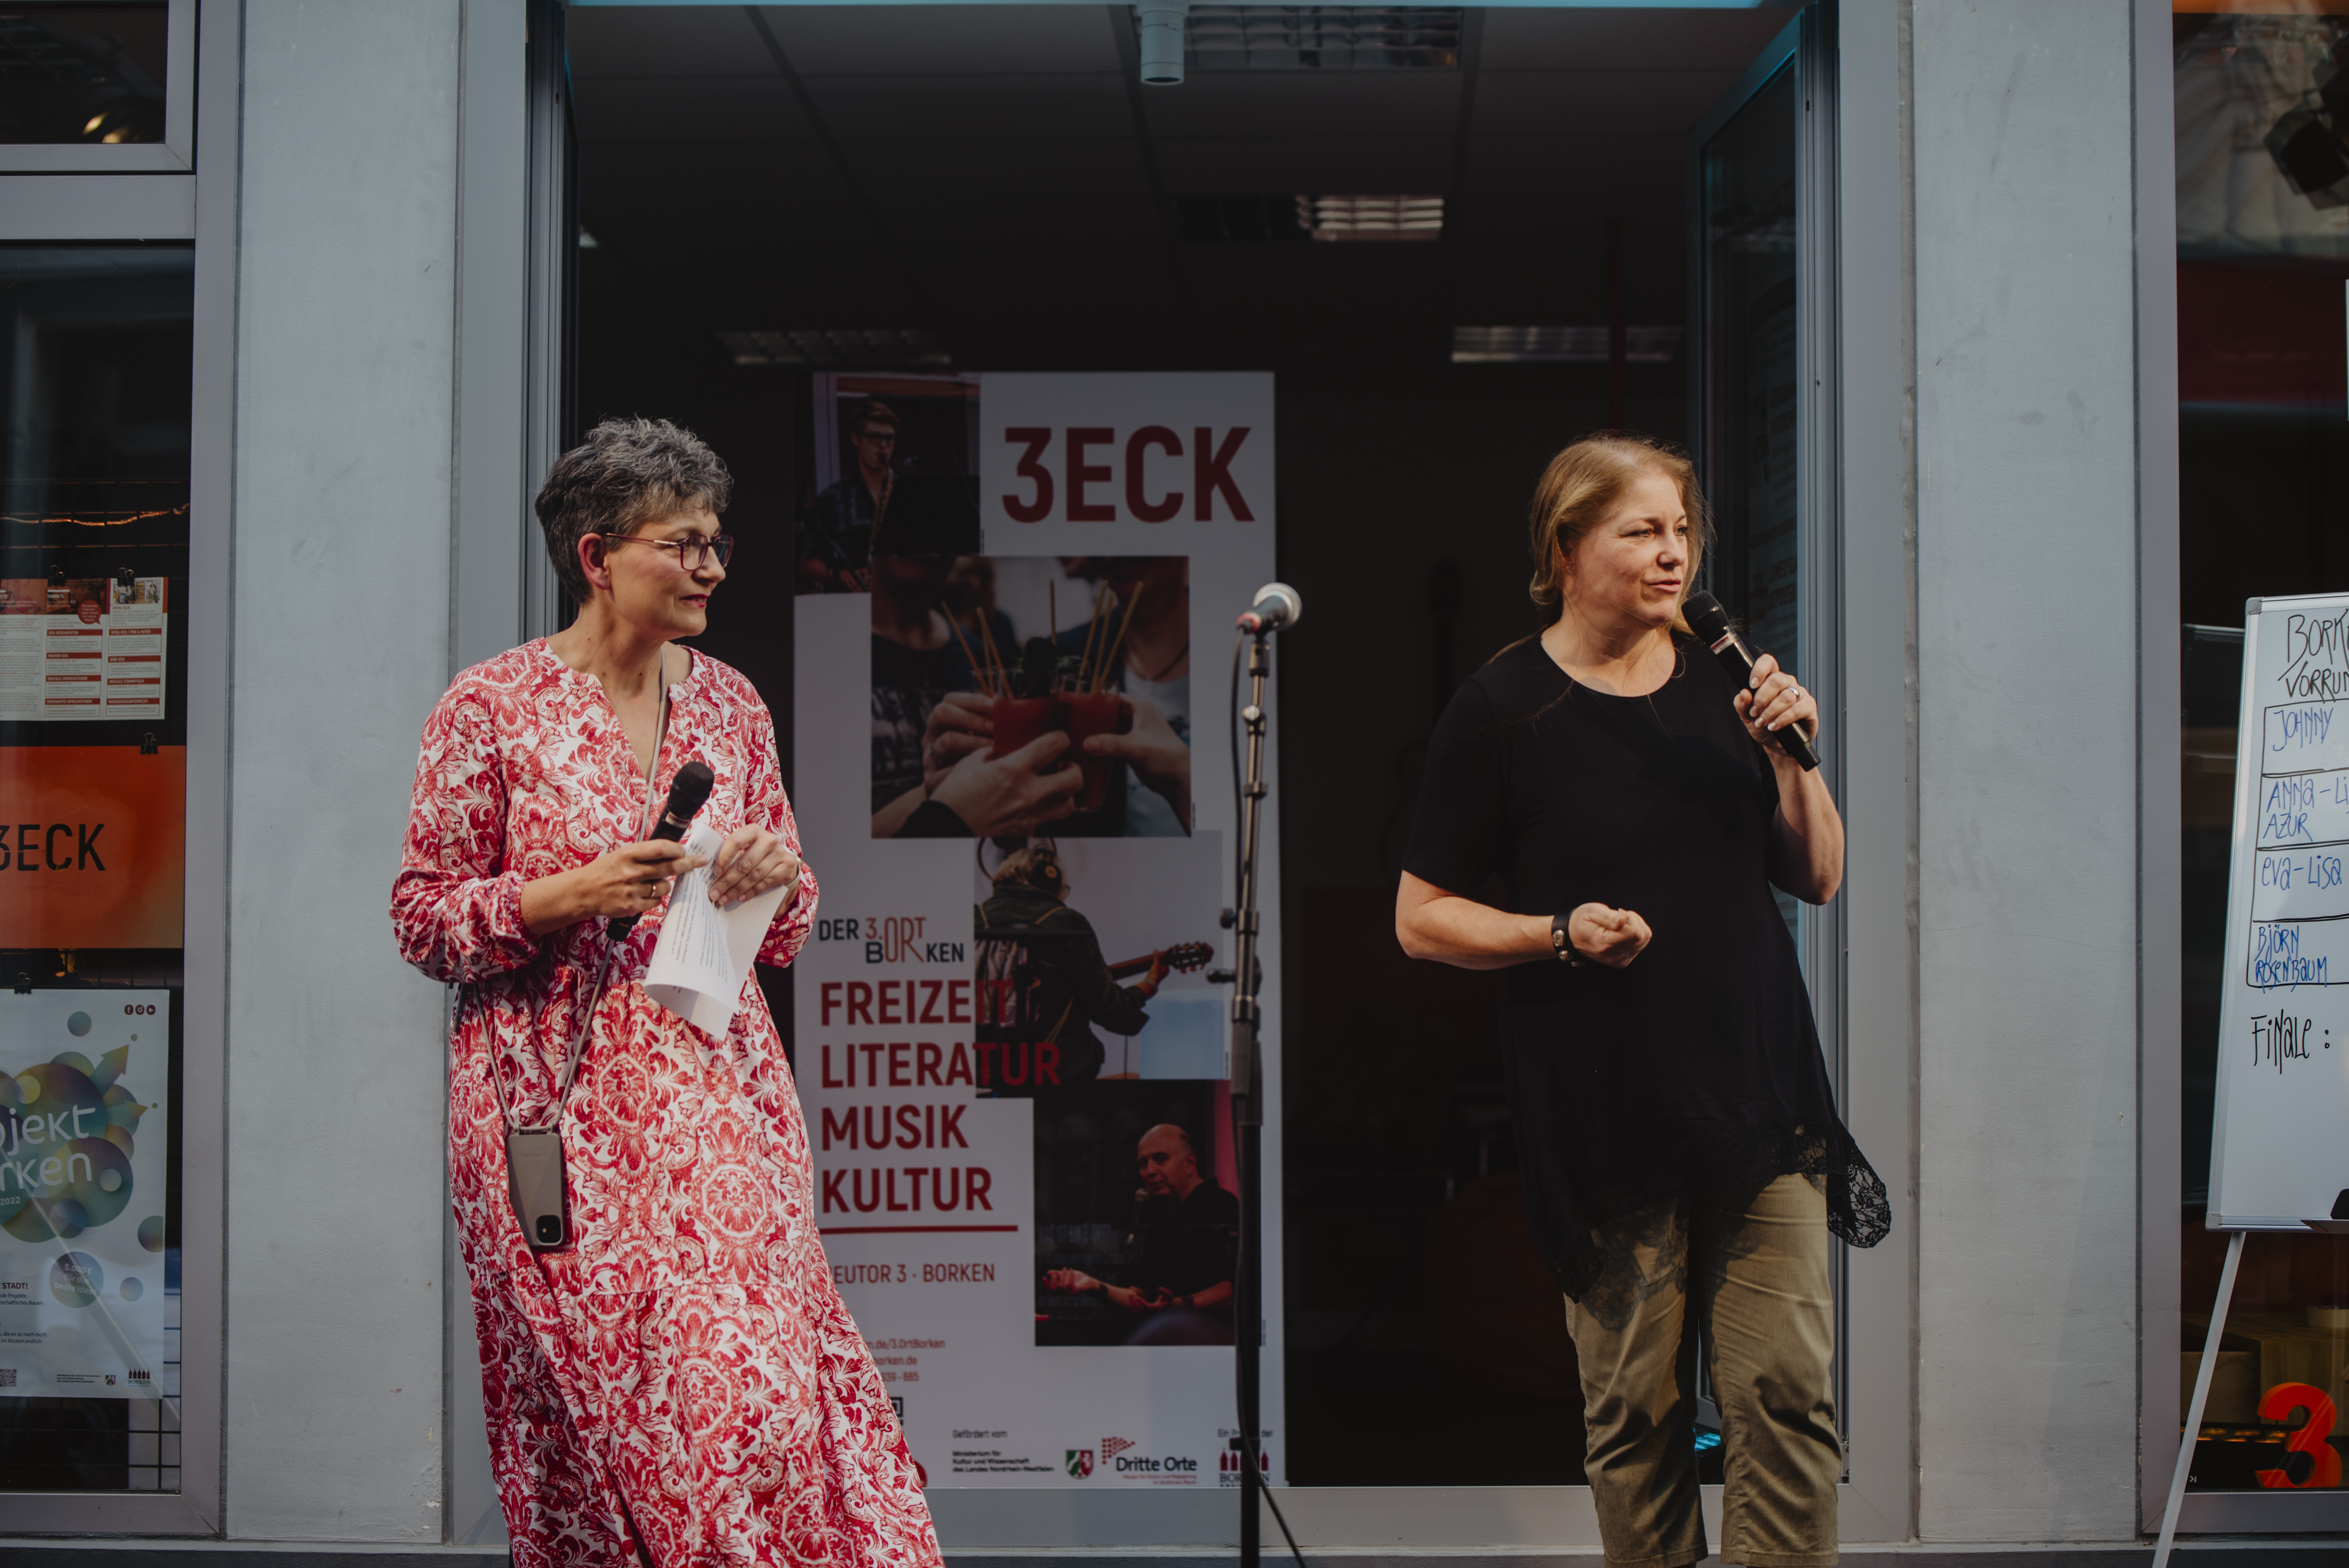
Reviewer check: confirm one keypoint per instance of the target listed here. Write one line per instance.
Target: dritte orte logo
(1081, 1462)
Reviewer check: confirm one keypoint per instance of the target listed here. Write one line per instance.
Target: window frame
(80, 208)
(2160, 848)
(175, 154)
(1849, 288)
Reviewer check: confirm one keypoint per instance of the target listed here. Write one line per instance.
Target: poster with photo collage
(1012, 777)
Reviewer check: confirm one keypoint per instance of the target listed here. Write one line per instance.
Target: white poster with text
(1012, 761)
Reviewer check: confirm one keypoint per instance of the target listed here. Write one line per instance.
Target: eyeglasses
(878, 437)
(693, 552)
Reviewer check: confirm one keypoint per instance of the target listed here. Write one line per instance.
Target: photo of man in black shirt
(1179, 1254)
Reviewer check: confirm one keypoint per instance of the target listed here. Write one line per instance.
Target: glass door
(1761, 315)
(1761, 305)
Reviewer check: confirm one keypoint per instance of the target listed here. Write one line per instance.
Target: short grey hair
(626, 473)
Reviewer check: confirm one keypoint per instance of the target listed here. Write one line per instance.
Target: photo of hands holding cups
(1013, 695)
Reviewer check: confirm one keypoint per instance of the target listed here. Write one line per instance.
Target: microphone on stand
(686, 793)
(1711, 624)
(1276, 606)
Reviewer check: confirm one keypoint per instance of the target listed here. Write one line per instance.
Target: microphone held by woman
(688, 793)
(1711, 624)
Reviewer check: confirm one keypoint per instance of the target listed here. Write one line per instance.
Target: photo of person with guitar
(1044, 984)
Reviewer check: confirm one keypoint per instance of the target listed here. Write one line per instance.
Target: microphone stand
(1248, 1118)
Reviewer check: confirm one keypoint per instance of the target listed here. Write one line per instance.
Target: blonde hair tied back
(1582, 484)
(1034, 866)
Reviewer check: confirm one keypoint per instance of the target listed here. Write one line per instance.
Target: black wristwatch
(1563, 945)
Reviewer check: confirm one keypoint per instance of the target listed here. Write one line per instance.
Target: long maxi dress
(685, 1370)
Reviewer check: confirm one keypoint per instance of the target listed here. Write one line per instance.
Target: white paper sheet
(704, 952)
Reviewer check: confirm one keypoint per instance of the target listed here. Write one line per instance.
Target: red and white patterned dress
(685, 1366)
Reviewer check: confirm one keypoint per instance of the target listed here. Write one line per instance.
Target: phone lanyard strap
(586, 1019)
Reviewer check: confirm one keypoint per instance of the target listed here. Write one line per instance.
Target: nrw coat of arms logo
(1081, 1462)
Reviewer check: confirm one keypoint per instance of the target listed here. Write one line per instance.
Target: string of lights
(91, 520)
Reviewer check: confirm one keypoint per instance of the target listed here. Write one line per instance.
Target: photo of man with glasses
(835, 536)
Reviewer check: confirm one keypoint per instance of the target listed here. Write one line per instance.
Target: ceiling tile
(1307, 103)
(725, 185)
(1633, 168)
(1357, 165)
(1365, 283)
(1619, 39)
(972, 165)
(682, 108)
(1600, 103)
(1512, 221)
(958, 106)
(1010, 231)
(824, 40)
(664, 41)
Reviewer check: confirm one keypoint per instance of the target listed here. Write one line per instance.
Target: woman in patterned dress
(678, 1382)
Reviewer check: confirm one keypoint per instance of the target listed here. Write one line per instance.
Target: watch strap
(1562, 944)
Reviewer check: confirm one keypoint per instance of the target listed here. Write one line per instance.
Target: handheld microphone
(1711, 624)
(686, 793)
(1276, 606)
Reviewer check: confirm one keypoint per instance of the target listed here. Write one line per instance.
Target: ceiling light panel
(1372, 217)
(1560, 345)
(1322, 37)
(836, 348)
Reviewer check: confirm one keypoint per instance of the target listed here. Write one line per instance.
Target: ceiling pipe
(1159, 28)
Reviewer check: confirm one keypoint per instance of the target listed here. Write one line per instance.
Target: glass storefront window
(90, 75)
(2262, 104)
(1752, 293)
(94, 382)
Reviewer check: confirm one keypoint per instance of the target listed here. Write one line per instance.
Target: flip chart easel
(2279, 1146)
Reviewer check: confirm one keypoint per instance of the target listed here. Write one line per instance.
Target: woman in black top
(1605, 817)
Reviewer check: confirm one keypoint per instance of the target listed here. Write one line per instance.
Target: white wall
(2026, 641)
(334, 1426)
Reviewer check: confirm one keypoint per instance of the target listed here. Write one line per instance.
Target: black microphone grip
(1740, 665)
(1711, 623)
(686, 793)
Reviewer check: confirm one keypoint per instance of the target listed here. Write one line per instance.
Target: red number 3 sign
(2324, 1468)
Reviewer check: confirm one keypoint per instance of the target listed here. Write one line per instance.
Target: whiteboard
(2280, 1151)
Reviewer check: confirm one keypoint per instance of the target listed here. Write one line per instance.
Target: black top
(1056, 984)
(1188, 1245)
(1697, 1067)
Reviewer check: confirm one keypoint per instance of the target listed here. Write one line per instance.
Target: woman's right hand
(628, 880)
(1612, 937)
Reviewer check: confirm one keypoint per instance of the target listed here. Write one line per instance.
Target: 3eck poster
(1012, 769)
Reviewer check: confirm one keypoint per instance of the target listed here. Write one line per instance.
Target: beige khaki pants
(1752, 1277)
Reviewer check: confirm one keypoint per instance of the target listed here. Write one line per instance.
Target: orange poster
(93, 847)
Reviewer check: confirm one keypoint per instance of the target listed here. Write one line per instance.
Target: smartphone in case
(535, 1178)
